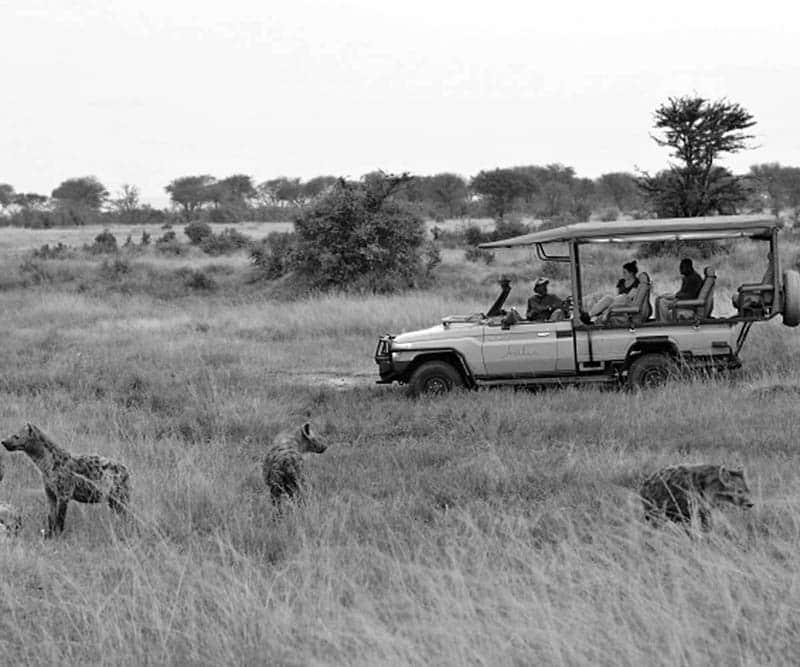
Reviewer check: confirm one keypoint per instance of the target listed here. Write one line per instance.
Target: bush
(145, 238)
(226, 242)
(359, 236)
(198, 280)
(168, 244)
(59, 251)
(197, 231)
(104, 243)
(474, 236)
(705, 249)
(505, 228)
(475, 254)
(432, 257)
(273, 255)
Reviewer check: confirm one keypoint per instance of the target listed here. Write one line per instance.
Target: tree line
(696, 130)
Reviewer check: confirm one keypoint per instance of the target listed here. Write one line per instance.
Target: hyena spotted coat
(10, 520)
(681, 492)
(85, 478)
(283, 463)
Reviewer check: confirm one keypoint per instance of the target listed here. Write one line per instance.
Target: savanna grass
(493, 527)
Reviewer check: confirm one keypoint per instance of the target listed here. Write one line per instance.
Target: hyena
(683, 491)
(85, 478)
(283, 463)
(10, 520)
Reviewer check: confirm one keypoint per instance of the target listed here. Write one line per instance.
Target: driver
(543, 306)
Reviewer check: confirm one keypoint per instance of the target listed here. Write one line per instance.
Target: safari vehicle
(630, 347)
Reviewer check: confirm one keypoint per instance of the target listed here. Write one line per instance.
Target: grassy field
(493, 527)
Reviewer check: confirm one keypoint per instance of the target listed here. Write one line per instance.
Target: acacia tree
(85, 192)
(191, 192)
(500, 188)
(698, 131)
(6, 195)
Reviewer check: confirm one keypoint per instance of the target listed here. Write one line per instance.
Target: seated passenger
(626, 289)
(543, 306)
(691, 284)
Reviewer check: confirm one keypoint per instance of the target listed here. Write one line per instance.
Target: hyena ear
(305, 430)
(724, 475)
(30, 427)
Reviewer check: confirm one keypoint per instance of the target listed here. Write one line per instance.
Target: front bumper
(388, 368)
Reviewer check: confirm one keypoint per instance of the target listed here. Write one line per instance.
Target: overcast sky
(143, 92)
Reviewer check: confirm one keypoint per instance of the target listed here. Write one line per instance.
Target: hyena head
(729, 486)
(24, 440)
(308, 441)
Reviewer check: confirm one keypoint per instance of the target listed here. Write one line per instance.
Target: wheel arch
(448, 355)
(652, 345)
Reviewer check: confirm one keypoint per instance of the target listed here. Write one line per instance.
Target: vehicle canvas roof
(662, 229)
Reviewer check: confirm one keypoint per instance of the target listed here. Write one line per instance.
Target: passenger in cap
(543, 306)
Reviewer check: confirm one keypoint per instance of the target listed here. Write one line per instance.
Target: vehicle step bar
(566, 380)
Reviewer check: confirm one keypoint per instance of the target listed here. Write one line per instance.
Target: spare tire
(791, 298)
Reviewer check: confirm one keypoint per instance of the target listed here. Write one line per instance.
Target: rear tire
(791, 298)
(434, 378)
(651, 370)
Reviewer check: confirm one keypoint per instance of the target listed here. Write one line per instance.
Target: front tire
(651, 370)
(434, 378)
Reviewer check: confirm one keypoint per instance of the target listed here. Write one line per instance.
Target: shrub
(273, 255)
(705, 249)
(226, 242)
(431, 257)
(145, 238)
(197, 231)
(505, 228)
(609, 214)
(475, 254)
(105, 242)
(168, 244)
(198, 280)
(473, 235)
(358, 235)
(59, 251)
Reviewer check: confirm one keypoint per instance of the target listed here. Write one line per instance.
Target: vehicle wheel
(791, 298)
(651, 370)
(433, 377)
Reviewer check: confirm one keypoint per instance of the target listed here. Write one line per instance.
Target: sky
(144, 92)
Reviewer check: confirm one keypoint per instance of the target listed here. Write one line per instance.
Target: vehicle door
(528, 349)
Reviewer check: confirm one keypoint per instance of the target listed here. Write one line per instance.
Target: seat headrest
(644, 278)
(710, 272)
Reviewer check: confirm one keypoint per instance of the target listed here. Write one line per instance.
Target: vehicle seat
(754, 300)
(639, 310)
(701, 307)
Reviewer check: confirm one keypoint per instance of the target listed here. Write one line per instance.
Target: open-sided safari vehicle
(631, 345)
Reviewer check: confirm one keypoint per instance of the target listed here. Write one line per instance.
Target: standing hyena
(85, 478)
(283, 463)
(683, 491)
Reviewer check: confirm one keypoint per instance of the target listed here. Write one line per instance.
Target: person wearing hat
(541, 305)
(626, 290)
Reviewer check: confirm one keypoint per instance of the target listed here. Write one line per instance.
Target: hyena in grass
(681, 492)
(283, 463)
(85, 478)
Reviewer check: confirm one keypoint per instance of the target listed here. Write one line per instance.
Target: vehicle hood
(439, 332)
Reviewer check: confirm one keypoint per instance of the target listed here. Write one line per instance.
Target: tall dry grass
(494, 527)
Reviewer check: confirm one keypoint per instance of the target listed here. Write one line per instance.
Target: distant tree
(6, 195)
(698, 131)
(620, 189)
(126, 203)
(281, 191)
(790, 179)
(769, 185)
(29, 201)
(191, 192)
(316, 186)
(236, 189)
(449, 191)
(500, 188)
(360, 235)
(583, 192)
(85, 192)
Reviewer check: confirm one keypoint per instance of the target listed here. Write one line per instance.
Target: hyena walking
(85, 478)
(683, 491)
(283, 463)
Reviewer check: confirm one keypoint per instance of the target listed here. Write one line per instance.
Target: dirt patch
(333, 379)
